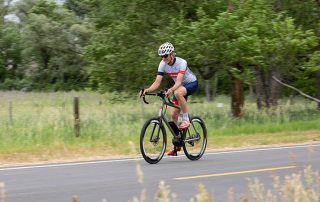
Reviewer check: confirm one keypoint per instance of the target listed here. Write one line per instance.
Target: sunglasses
(164, 56)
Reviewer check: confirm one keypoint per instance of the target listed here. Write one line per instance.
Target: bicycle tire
(152, 147)
(197, 134)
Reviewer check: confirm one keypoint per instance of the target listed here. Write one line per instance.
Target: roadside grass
(300, 187)
(40, 127)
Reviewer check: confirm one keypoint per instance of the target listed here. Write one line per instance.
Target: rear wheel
(153, 141)
(195, 141)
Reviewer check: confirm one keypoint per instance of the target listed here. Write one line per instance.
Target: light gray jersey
(179, 66)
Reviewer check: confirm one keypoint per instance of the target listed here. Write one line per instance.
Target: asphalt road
(117, 180)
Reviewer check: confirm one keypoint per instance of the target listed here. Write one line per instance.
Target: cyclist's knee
(179, 95)
(180, 92)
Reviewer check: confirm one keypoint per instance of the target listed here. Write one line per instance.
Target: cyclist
(186, 84)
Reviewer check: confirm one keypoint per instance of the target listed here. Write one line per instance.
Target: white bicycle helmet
(165, 48)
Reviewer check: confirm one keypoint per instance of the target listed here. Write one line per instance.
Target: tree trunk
(261, 87)
(275, 88)
(208, 90)
(318, 88)
(210, 86)
(237, 97)
(215, 85)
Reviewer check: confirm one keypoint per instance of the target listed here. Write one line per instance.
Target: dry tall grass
(303, 186)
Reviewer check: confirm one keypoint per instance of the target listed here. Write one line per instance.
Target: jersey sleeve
(161, 68)
(183, 67)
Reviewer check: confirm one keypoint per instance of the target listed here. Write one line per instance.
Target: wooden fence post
(76, 116)
(10, 113)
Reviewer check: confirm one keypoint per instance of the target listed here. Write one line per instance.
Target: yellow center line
(233, 173)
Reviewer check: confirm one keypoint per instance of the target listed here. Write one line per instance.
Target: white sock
(185, 116)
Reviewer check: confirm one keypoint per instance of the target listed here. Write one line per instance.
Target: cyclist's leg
(185, 91)
(182, 94)
(175, 112)
(174, 116)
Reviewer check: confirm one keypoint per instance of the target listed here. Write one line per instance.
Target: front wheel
(195, 141)
(153, 141)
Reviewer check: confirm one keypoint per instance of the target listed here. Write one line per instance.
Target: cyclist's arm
(155, 84)
(178, 82)
(181, 73)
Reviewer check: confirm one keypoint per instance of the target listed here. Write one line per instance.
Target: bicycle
(153, 136)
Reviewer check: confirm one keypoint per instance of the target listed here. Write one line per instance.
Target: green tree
(53, 45)
(122, 46)
(193, 41)
(248, 38)
(125, 44)
(306, 14)
(82, 8)
(224, 43)
(10, 47)
(280, 42)
(312, 68)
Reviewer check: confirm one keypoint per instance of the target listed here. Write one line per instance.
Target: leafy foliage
(111, 45)
(53, 43)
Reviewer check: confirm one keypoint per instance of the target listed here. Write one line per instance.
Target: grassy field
(40, 126)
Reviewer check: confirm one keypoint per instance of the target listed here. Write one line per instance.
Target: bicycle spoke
(152, 141)
(196, 139)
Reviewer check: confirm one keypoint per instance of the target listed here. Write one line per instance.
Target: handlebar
(161, 94)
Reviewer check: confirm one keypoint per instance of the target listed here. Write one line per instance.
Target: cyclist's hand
(143, 92)
(169, 92)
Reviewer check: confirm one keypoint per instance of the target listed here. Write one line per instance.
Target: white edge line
(68, 164)
(264, 149)
(138, 159)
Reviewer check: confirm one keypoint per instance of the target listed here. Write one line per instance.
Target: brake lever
(143, 96)
(144, 100)
(169, 100)
(141, 92)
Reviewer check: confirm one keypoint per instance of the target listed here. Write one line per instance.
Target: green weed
(45, 120)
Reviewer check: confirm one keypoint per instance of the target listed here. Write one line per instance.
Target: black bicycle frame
(162, 116)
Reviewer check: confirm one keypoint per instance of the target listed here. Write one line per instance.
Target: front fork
(155, 139)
